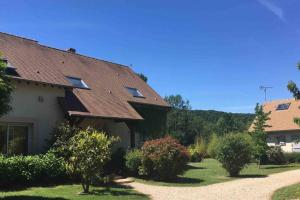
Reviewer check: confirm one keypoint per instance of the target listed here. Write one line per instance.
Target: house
(282, 130)
(52, 85)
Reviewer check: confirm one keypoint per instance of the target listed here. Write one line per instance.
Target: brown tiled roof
(282, 120)
(106, 96)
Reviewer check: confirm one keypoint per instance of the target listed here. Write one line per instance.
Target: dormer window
(77, 82)
(135, 92)
(283, 106)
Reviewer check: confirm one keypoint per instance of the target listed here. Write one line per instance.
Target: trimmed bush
(163, 158)
(275, 156)
(235, 151)
(292, 157)
(19, 171)
(133, 161)
(198, 150)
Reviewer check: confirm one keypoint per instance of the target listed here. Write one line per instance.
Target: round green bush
(293, 157)
(275, 156)
(163, 158)
(133, 160)
(235, 151)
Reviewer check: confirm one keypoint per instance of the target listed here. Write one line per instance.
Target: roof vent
(72, 50)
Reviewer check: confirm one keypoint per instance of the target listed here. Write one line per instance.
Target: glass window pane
(18, 140)
(77, 82)
(283, 106)
(134, 92)
(3, 139)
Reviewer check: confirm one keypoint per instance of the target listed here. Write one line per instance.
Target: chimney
(72, 50)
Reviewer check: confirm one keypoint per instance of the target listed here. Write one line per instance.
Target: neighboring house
(53, 85)
(283, 131)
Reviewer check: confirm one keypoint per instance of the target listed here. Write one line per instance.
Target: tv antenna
(265, 88)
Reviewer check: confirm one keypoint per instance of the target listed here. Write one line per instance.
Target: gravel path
(247, 188)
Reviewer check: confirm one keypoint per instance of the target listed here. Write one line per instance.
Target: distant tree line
(186, 124)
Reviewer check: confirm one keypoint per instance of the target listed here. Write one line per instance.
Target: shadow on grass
(23, 197)
(194, 167)
(251, 176)
(112, 189)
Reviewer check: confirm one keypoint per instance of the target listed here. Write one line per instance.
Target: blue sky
(214, 53)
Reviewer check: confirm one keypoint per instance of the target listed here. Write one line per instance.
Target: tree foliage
(186, 124)
(259, 134)
(143, 77)
(60, 139)
(90, 150)
(293, 88)
(6, 89)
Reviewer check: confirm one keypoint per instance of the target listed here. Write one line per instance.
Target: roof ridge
(9, 34)
(278, 100)
(66, 51)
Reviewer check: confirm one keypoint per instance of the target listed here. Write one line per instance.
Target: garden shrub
(163, 158)
(275, 156)
(19, 171)
(235, 151)
(60, 139)
(212, 146)
(198, 150)
(133, 161)
(292, 157)
(116, 165)
(90, 151)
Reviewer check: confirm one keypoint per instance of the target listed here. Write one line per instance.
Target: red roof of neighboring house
(283, 119)
(106, 96)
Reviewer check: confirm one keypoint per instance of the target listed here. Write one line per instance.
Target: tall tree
(259, 134)
(179, 118)
(6, 89)
(292, 87)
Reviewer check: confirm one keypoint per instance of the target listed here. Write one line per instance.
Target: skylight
(134, 92)
(283, 106)
(77, 82)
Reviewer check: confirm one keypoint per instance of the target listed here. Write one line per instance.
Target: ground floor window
(280, 140)
(13, 139)
(295, 139)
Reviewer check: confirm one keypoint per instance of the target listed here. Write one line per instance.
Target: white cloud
(276, 10)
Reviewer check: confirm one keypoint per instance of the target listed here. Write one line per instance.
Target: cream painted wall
(113, 128)
(40, 116)
(290, 145)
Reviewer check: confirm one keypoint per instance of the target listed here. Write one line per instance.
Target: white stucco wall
(290, 145)
(40, 116)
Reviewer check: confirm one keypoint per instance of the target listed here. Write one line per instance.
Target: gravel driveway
(246, 188)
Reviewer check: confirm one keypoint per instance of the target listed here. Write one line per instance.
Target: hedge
(19, 171)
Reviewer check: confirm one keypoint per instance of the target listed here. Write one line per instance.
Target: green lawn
(70, 192)
(290, 192)
(210, 171)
